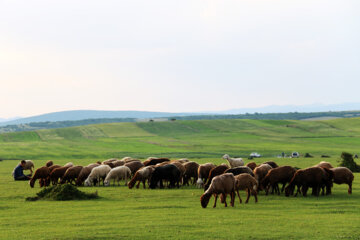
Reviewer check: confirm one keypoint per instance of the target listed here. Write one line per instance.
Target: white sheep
(234, 162)
(96, 174)
(28, 166)
(118, 173)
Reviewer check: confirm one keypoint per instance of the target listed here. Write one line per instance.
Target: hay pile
(62, 193)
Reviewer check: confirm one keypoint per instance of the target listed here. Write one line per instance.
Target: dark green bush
(348, 161)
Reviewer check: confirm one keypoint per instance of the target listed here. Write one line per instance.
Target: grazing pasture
(126, 213)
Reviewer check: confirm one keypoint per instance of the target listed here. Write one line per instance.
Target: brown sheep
(343, 175)
(134, 166)
(57, 173)
(40, 173)
(71, 174)
(251, 165)
(110, 164)
(223, 184)
(49, 163)
(324, 165)
(272, 164)
(203, 173)
(154, 161)
(246, 182)
(314, 177)
(277, 175)
(118, 163)
(260, 172)
(84, 173)
(216, 171)
(181, 169)
(191, 171)
(141, 175)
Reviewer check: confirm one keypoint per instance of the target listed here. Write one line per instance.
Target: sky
(176, 56)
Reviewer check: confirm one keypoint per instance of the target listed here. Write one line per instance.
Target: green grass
(121, 213)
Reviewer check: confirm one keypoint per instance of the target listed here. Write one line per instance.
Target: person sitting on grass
(18, 172)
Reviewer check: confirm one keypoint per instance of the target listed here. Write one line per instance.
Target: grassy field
(121, 213)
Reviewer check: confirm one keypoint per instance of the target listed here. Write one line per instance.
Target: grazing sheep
(251, 165)
(40, 173)
(71, 174)
(234, 162)
(260, 172)
(96, 174)
(142, 175)
(118, 163)
(203, 173)
(49, 163)
(246, 182)
(343, 175)
(134, 166)
(216, 171)
(240, 170)
(272, 164)
(324, 164)
(58, 173)
(168, 172)
(223, 184)
(191, 171)
(110, 164)
(69, 164)
(154, 161)
(314, 177)
(29, 165)
(85, 172)
(118, 173)
(278, 175)
(181, 169)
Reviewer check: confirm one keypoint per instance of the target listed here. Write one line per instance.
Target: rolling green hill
(201, 138)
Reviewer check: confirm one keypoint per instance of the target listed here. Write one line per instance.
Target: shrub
(348, 161)
(308, 155)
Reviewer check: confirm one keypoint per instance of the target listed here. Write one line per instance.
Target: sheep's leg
(304, 190)
(248, 195)
(137, 186)
(143, 182)
(350, 188)
(277, 189)
(232, 194)
(267, 190)
(255, 195)
(225, 200)
(239, 196)
(283, 187)
(216, 196)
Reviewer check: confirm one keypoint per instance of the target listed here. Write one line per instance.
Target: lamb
(260, 172)
(85, 172)
(71, 174)
(324, 164)
(277, 175)
(28, 166)
(96, 174)
(223, 184)
(118, 173)
(40, 173)
(251, 165)
(191, 171)
(343, 175)
(272, 164)
(246, 182)
(142, 175)
(134, 166)
(49, 163)
(58, 173)
(234, 162)
(215, 172)
(203, 173)
(240, 170)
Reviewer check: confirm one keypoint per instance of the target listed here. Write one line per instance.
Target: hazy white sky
(176, 55)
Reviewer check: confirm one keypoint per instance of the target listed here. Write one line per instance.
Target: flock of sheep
(218, 180)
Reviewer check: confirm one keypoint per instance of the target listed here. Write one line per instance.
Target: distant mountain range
(92, 114)
(76, 115)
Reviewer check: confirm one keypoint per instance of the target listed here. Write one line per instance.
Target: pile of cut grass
(64, 192)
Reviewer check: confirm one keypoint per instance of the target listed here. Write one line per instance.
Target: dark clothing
(23, 178)
(19, 174)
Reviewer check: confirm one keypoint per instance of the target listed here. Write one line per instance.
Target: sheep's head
(88, 182)
(226, 156)
(204, 200)
(32, 182)
(107, 183)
